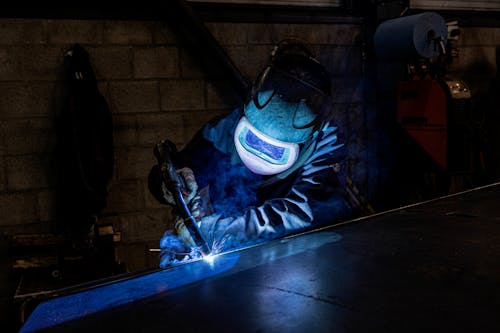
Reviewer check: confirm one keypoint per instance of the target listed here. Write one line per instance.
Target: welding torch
(174, 183)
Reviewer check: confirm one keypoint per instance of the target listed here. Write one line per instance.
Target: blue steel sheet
(433, 266)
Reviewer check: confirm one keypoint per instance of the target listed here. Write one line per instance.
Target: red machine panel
(422, 113)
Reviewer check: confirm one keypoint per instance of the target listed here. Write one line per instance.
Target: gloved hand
(172, 249)
(189, 191)
(183, 233)
(177, 246)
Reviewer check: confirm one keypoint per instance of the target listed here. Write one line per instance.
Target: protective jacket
(250, 208)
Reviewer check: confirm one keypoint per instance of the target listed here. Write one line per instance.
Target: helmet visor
(260, 153)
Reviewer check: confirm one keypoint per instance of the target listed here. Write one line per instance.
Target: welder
(270, 168)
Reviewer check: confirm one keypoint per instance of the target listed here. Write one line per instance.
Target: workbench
(428, 267)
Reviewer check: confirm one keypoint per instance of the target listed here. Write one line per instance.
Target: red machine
(422, 113)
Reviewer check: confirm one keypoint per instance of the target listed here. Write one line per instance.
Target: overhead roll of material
(410, 37)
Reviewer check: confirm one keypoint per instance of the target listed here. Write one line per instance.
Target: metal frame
(475, 5)
(308, 3)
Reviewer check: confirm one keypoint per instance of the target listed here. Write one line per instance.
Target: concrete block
(242, 59)
(25, 136)
(30, 62)
(134, 96)
(47, 205)
(3, 148)
(340, 60)
(124, 197)
(310, 33)
(267, 33)
(19, 100)
(22, 31)
(3, 180)
(134, 162)
(103, 87)
(253, 60)
(124, 130)
(18, 208)
(8, 64)
(342, 34)
(163, 34)
(228, 33)
(190, 65)
(156, 62)
(194, 67)
(326, 34)
(194, 121)
(182, 95)
(128, 32)
(144, 227)
(220, 95)
(496, 32)
(63, 31)
(25, 172)
(152, 128)
(114, 62)
(150, 203)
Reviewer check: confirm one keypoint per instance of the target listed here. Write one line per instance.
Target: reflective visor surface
(263, 147)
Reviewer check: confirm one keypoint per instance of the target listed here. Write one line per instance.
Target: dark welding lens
(293, 89)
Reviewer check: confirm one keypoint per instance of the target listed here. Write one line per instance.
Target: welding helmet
(287, 106)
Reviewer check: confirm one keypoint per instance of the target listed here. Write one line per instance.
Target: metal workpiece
(429, 267)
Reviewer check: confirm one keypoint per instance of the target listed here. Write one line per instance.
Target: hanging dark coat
(86, 149)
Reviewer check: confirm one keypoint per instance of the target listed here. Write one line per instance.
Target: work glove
(183, 233)
(189, 190)
(172, 249)
(177, 245)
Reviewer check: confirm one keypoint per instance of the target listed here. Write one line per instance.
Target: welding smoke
(232, 186)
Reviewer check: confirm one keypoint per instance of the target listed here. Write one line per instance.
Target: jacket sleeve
(315, 198)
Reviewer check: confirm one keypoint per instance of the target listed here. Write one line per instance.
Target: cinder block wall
(156, 90)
